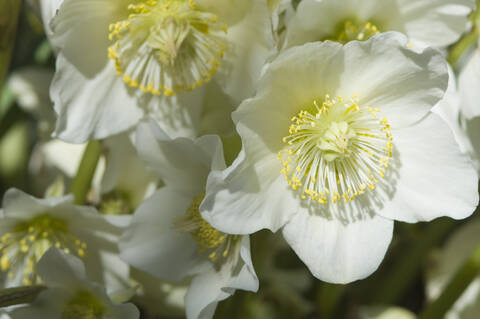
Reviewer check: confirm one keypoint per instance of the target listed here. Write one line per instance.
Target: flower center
(211, 240)
(336, 150)
(116, 202)
(166, 46)
(353, 30)
(26, 243)
(84, 305)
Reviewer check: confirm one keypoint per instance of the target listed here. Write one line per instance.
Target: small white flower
(170, 240)
(69, 294)
(30, 226)
(338, 142)
(141, 53)
(426, 23)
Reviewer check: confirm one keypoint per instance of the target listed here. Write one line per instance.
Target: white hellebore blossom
(145, 56)
(337, 144)
(69, 293)
(30, 226)
(170, 240)
(435, 23)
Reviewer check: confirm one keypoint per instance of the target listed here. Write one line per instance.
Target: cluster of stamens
(116, 202)
(352, 30)
(336, 150)
(165, 46)
(26, 243)
(84, 305)
(210, 240)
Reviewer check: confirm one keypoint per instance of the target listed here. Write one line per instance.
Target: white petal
(180, 162)
(387, 75)
(472, 128)
(18, 204)
(48, 9)
(279, 98)
(436, 23)
(428, 23)
(315, 20)
(230, 12)
(469, 82)
(433, 177)
(217, 112)
(449, 110)
(43, 307)
(125, 171)
(152, 243)
(339, 252)
(207, 289)
(81, 26)
(91, 107)
(248, 197)
(250, 44)
(59, 269)
(177, 115)
(125, 311)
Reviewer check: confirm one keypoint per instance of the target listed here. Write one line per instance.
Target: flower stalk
(19, 295)
(467, 40)
(9, 12)
(86, 170)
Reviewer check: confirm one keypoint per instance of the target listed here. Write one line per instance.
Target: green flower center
(336, 150)
(165, 46)
(116, 203)
(350, 30)
(211, 240)
(26, 243)
(84, 305)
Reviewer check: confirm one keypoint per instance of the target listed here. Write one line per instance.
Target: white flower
(461, 109)
(337, 144)
(30, 226)
(140, 53)
(426, 23)
(69, 294)
(126, 181)
(468, 84)
(446, 262)
(169, 239)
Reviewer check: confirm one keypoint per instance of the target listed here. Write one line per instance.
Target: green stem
(328, 299)
(9, 12)
(461, 46)
(19, 295)
(468, 39)
(455, 288)
(407, 268)
(83, 180)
